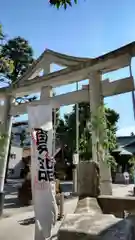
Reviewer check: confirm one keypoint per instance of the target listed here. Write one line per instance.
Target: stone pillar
(75, 172)
(46, 67)
(6, 127)
(96, 100)
(88, 180)
(46, 92)
(105, 179)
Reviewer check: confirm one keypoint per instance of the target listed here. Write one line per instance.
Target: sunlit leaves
(1, 33)
(104, 124)
(20, 53)
(6, 64)
(3, 138)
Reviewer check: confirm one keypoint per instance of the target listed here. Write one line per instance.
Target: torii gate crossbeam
(78, 69)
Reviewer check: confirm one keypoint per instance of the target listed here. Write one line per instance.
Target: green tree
(62, 3)
(6, 64)
(70, 124)
(61, 133)
(68, 127)
(111, 120)
(20, 53)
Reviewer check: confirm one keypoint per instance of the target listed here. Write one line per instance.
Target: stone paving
(122, 190)
(12, 227)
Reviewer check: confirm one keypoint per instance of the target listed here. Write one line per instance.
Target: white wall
(16, 163)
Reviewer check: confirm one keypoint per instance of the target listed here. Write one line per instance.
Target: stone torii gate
(76, 69)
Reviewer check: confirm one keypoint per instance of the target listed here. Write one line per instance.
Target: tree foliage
(16, 55)
(62, 3)
(20, 53)
(6, 64)
(66, 129)
(3, 139)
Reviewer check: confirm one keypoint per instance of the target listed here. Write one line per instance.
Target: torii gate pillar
(96, 100)
(46, 93)
(6, 127)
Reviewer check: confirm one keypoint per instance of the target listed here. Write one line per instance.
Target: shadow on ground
(27, 221)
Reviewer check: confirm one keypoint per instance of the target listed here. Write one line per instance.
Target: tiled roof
(125, 140)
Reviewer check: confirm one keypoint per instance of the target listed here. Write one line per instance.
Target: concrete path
(122, 190)
(14, 227)
(11, 205)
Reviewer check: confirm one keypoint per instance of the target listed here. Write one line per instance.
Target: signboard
(42, 168)
(75, 158)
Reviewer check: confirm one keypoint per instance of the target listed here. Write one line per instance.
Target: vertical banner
(42, 167)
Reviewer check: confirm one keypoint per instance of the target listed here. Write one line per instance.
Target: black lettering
(41, 136)
(41, 163)
(42, 176)
(50, 176)
(48, 173)
(41, 139)
(42, 148)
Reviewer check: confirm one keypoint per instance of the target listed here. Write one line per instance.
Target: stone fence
(117, 206)
(89, 223)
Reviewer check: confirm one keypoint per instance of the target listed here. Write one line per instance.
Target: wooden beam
(109, 89)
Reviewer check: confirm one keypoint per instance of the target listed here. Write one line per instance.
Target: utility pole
(54, 131)
(133, 102)
(76, 155)
(77, 124)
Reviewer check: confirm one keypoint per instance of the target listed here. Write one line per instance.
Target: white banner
(42, 167)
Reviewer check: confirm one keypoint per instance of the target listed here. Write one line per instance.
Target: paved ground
(123, 190)
(12, 207)
(14, 227)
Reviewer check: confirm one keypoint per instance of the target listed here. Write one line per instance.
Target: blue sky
(91, 28)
